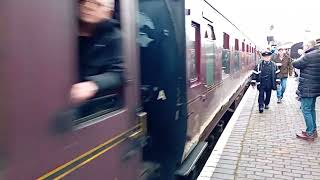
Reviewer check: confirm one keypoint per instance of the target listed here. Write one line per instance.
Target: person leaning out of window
(100, 56)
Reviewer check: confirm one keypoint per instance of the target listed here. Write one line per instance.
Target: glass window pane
(225, 63)
(193, 52)
(210, 57)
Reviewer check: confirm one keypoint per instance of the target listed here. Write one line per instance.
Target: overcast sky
(290, 18)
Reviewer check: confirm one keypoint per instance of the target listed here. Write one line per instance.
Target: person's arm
(277, 72)
(110, 60)
(301, 62)
(107, 81)
(290, 67)
(255, 75)
(111, 76)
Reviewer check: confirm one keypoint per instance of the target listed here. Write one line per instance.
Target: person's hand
(83, 91)
(253, 85)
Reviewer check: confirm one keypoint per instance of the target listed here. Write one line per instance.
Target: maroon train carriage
(185, 65)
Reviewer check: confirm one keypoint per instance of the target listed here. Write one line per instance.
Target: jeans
(309, 113)
(282, 88)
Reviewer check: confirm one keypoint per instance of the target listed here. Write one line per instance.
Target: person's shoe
(260, 110)
(315, 134)
(266, 106)
(279, 100)
(306, 137)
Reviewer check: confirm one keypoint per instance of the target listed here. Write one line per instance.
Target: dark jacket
(285, 66)
(256, 75)
(100, 57)
(101, 61)
(309, 81)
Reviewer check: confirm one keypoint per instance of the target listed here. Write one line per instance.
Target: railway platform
(264, 146)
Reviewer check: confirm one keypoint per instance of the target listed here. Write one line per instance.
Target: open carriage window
(226, 40)
(237, 56)
(210, 33)
(98, 89)
(210, 56)
(193, 53)
(243, 47)
(236, 44)
(226, 56)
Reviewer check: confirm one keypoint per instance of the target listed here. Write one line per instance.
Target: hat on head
(266, 53)
(318, 42)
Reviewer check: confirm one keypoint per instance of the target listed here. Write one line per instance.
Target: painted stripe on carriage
(87, 157)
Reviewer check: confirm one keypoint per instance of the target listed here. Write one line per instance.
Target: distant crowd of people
(273, 71)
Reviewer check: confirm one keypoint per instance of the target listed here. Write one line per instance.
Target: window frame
(226, 41)
(226, 49)
(210, 39)
(120, 95)
(197, 36)
(236, 44)
(211, 35)
(243, 47)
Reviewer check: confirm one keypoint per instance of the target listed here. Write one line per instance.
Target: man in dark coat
(309, 87)
(100, 56)
(283, 61)
(265, 77)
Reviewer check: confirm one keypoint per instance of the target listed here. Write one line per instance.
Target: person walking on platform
(283, 61)
(265, 77)
(309, 87)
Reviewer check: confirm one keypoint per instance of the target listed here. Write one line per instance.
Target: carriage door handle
(138, 139)
(142, 118)
(189, 114)
(203, 97)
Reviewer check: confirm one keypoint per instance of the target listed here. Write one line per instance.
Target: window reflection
(193, 52)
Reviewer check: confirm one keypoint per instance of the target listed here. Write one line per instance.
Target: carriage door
(48, 136)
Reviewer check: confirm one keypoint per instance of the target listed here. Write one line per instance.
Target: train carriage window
(226, 56)
(237, 56)
(243, 47)
(100, 60)
(236, 44)
(210, 55)
(226, 40)
(193, 52)
(210, 33)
